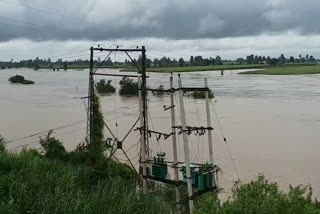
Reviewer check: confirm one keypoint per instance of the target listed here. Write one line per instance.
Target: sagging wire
(158, 143)
(225, 141)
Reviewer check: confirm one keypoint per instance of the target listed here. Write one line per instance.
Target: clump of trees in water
(104, 87)
(202, 95)
(20, 80)
(128, 87)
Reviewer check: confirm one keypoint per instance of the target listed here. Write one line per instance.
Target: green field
(199, 68)
(288, 70)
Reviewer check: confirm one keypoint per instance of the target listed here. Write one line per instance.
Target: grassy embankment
(31, 183)
(288, 70)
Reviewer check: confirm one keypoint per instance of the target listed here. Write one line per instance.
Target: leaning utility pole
(174, 140)
(186, 146)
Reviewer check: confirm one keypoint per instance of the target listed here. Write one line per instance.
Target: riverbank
(287, 70)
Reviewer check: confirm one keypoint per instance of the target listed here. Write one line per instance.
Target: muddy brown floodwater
(272, 123)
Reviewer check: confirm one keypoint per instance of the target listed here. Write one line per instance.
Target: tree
(240, 60)
(292, 59)
(109, 62)
(274, 61)
(65, 65)
(181, 62)
(312, 59)
(250, 59)
(282, 59)
(191, 60)
(198, 60)
(218, 60)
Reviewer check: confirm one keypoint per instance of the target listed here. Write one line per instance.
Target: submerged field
(287, 70)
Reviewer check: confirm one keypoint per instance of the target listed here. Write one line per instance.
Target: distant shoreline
(287, 69)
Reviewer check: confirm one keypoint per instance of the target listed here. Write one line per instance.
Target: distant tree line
(156, 62)
(255, 59)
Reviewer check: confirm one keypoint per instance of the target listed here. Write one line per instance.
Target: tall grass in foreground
(30, 183)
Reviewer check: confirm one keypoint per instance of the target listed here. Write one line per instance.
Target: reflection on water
(271, 122)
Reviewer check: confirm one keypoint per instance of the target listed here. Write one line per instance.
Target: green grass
(31, 183)
(199, 68)
(288, 70)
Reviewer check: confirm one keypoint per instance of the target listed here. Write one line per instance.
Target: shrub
(2, 144)
(159, 93)
(261, 196)
(53, 148)
(16, 79)
(103, 87)
(20, 79)
(28, 82)
(128, 87)
(201, 95)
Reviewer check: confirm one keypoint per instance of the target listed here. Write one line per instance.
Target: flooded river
(271, 123)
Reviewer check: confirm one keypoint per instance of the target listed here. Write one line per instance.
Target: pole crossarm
(117, 75)
(184, 89)
(150, 132)
(119, 49)
(189, 129)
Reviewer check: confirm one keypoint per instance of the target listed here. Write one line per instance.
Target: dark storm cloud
(171, 19)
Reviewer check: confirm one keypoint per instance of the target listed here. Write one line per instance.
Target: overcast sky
(229, 28)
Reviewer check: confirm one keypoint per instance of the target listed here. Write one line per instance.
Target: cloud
(169, 19)
(228, 48)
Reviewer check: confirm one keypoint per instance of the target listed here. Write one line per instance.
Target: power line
(36, 9)
(74, 123)
(225, 141)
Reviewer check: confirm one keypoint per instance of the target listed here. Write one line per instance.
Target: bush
(53, 148)
(261, 196)
(201, 95)
(159, 93)
(20, 79)
(2, 144)
(128, 87)
(103, 87)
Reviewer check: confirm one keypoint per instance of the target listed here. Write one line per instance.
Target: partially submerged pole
(209, 124)
(142, 142)
(186, 146)
(174, 141)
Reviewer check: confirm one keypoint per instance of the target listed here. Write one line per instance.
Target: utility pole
(144, 102)
(142, 142)
(174, 141)
(208, 121)
(90, 100)
(186, 146)
(209, 125)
